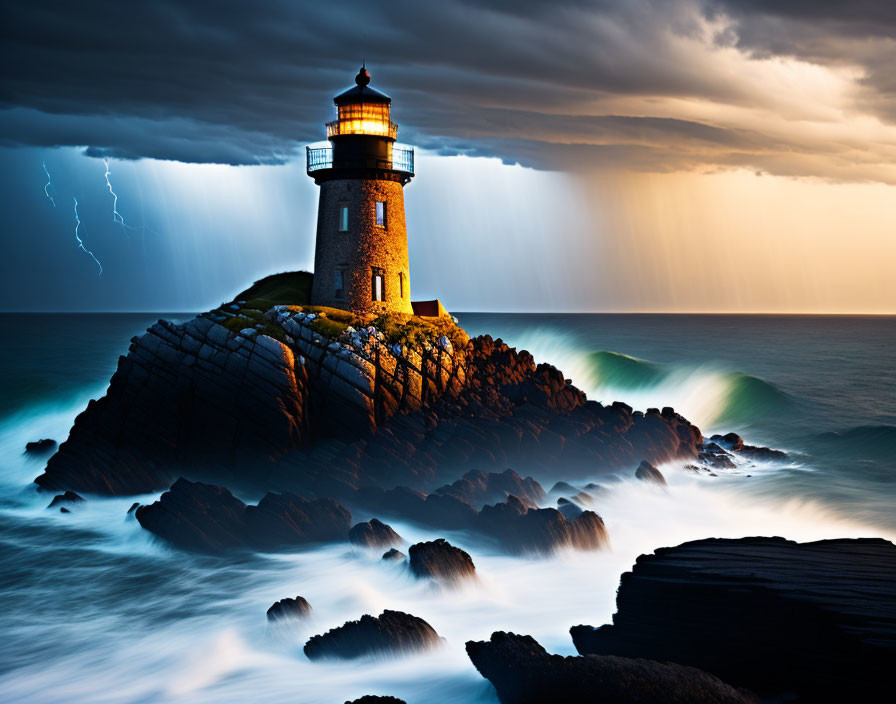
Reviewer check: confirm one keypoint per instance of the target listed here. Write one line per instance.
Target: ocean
(96, 610)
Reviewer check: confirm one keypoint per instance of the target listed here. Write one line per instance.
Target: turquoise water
(96, 610)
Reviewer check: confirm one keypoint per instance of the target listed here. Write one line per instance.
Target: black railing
(322, 158)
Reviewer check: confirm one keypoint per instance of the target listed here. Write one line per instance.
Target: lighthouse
(361, 251)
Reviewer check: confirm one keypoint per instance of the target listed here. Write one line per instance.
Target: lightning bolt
(80, 241)
(49, 183)
(116, 216)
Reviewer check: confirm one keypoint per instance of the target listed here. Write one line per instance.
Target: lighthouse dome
(361, 92)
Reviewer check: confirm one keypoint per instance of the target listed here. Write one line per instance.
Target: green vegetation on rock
(293, 289)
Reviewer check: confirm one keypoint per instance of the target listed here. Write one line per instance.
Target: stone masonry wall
(364, 246)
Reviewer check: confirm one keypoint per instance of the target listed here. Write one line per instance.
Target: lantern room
(362, 110)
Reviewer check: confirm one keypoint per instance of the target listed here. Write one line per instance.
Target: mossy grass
(293, 289)
(286, 288)
(251, 318)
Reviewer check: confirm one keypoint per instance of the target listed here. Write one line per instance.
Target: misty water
(97, 610)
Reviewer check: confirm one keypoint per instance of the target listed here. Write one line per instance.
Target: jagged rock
(69, 497)
(646, 472)
(439, 510)
(393, 555)
(189, 396)
(522, 529)
(522, 672)
(729, 441)
(716, 460)
(374, 534)
(763, 454)
(208, 518)
(563, 488)
(392, 633)
(815, 620)
(479, 488)
(569, 509)
(43, 446)
(377, 699)
(134, 507)
(326, 417)
(735, 443)
(284, 520)
(439, 559)
(289, 608)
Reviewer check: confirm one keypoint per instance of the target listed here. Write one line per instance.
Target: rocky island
(270, 393)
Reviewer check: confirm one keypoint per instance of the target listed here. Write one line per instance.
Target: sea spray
(96, 609)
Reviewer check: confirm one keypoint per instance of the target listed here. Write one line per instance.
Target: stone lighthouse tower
(361, 254)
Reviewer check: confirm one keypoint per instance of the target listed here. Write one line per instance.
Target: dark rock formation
(814, 619)
(374, 534)
(646, 472)
(376, 699)
(729, 441)
(569, 509)
(285, 520)
(43, 446)
(735, 443)
(392, 633)
(322, 417)
(394, 555)
(564, 488)
(69, 497)
(186, 396)
(763, 454)
(524, 673)
(439, 559)
(522, 529)
(478, 488)
(209, 518)
(717, 460)
(289, 608)
(437, 510)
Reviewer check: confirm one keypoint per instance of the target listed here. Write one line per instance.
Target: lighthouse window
(380, 213)
(343, 218)
(338, 285)
(378, 286)
(401, 284)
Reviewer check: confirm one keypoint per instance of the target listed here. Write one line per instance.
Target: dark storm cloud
(828, 32)
(534, 82)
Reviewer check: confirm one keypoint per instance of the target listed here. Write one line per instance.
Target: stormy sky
(589, 155)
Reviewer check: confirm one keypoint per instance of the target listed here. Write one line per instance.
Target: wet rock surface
(517, 525)
(68, 498)
(522, 529)
(522, 672)
(646, 472)
(722, 445)
(288, 608)
(812, 620)
(193, 395)
(374, 534)
(394, 555)
(325, 417)
(478, 488)
(43, 446)
(208, 518)
(438, 559)
(391, 633)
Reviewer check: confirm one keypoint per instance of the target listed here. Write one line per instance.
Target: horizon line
(493, 312)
